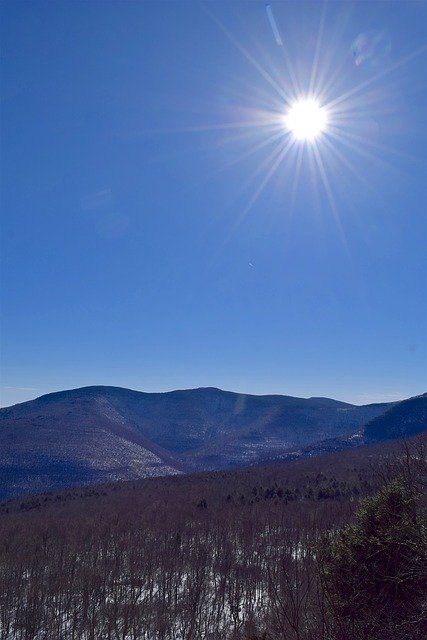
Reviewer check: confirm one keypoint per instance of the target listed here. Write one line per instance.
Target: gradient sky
(154, 235)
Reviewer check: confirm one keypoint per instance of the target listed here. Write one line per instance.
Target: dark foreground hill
(101, 434)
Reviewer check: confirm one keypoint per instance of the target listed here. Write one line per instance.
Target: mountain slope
(404, 420)
(64, 441)
(101, 434)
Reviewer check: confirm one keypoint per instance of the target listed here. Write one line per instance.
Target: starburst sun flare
(309, 116)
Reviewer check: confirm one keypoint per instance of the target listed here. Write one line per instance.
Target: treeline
(255, 554)
(344, 476)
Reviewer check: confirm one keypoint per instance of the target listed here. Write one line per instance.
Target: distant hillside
(103, 434)
(401, 420)
(406, 419)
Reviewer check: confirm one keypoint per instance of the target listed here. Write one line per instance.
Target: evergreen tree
(375, 571)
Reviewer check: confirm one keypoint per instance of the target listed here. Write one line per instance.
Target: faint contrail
(273, 25)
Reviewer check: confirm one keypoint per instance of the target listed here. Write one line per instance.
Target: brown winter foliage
(214, 556)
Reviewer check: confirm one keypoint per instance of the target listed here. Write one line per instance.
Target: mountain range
(103, 434)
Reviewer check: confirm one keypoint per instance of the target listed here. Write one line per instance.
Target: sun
(306, 119)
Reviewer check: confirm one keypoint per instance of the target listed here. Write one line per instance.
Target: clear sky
(161, 226)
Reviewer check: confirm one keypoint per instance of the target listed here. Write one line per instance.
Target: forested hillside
(212, 556)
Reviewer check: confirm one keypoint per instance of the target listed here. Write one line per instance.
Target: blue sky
(156, 234)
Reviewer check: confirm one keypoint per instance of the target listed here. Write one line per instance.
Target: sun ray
(329, 72)
(210, 127)
(338, 133)
(316, 56)
(287, 147)
(361, 105)
(333, 151)
(294, 87)
(295, 182)
(330, 195)
(274, 137)
(270, 164)
(247, 55)
(275, 163)
(366, 83)
(344, 138)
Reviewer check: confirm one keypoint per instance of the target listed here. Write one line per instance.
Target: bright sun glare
(306, 119)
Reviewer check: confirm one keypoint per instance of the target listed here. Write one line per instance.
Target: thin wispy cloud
(21, 388)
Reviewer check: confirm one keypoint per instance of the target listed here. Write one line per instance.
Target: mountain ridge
(101, 433)
(88, 388)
